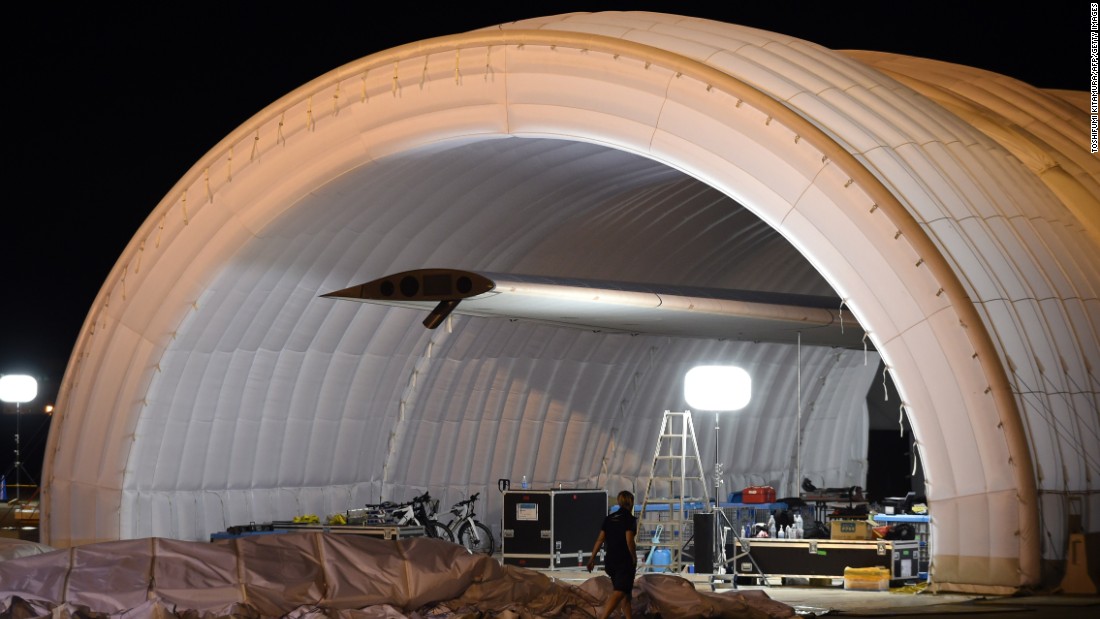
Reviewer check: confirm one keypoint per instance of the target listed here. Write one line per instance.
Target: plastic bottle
(782, 533)
(523, 483)
(771, 525)
(798, 531)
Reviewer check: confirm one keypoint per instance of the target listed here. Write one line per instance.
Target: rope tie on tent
(885, 392)
(424, 73)
(916, 457)
(206, 185)
(864, 349)
(309, 113)
(458, 73)
(393, 89)
(141, 251)
(255, 146)
(279, 137)
(488, 65)
(363, 87)
(183, 205)
(901, 419)
(840, 311)
(336, 100)
(160, 229)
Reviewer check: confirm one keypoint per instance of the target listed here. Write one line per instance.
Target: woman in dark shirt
(621, 559)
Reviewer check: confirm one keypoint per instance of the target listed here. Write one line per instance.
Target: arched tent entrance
(210, 385)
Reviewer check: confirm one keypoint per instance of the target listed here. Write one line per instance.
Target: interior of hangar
(945, 209)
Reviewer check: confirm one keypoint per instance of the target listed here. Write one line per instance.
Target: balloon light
(717, 388)
(18, 388)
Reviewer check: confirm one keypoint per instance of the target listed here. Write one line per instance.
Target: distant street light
(17, 388)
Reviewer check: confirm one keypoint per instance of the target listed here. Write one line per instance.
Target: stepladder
(676, 489)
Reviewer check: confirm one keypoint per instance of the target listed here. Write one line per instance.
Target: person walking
(621, 559)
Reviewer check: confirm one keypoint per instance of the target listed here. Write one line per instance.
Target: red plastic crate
(758, 494)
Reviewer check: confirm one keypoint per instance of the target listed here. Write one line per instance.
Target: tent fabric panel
(990, 444)
(834, 120)
(872, 123)
(756, 66)
(731, 141)
(863, 256)
(100, 452)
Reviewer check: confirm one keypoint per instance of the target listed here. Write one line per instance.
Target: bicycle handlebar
(467, 501)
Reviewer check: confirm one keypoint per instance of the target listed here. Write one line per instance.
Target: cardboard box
(851, 529)
(758, 494)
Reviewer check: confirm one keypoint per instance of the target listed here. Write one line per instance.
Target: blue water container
(661, 557)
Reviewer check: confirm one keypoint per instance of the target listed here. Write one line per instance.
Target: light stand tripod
(719, 537)
(17, 466)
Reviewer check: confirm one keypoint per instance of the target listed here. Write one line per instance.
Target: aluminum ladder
(676, 488)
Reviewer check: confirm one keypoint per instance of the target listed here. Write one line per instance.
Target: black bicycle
(469, 532)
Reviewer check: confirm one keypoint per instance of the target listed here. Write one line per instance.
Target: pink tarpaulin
(328, 575)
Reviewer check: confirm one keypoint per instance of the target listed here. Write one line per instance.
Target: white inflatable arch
(947, 208)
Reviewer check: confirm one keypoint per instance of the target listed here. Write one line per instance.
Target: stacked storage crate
(922, 526)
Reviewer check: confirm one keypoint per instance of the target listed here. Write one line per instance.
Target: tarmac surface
(832, 600)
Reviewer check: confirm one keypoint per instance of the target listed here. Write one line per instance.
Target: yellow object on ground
(866, 579)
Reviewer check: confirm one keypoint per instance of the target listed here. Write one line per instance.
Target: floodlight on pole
(718, 388)
(17, 389)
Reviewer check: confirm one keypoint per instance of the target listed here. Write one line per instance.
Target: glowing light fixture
(717, 388)
(18, 388)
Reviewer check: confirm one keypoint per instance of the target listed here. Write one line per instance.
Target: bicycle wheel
(476, 538)
(439, 530)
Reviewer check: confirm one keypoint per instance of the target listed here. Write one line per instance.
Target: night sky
(82, 180)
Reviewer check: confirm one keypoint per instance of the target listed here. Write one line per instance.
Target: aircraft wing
(616, 307)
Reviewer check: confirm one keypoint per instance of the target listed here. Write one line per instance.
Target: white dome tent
(952, 211)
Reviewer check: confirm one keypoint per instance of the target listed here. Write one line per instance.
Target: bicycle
(475, 536)
(412, 513)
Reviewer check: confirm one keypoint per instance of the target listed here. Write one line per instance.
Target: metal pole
(719, 549)
(18, 464)
(798, 434)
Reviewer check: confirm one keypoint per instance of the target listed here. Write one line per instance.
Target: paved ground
(835, 601)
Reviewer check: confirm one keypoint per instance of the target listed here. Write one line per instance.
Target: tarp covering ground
(318, 574)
